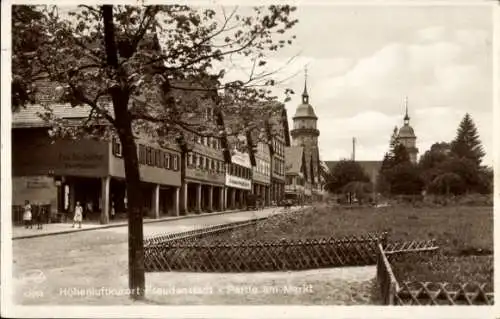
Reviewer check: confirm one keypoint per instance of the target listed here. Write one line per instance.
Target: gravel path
(333, 286)
(90, 268)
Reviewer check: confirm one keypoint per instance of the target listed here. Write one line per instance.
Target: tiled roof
(30, 115)
(293, 159)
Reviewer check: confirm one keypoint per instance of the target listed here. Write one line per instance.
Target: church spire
(305, 96)
(407, 117)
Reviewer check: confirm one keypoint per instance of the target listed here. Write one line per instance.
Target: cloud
(444, 69)
(434, 33)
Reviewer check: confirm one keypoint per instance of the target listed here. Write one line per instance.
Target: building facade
(296, 174)
(261, 173)
(62, 172)
(204, 180)
(305, 134)
(407, 137)
(279, 140)
(238, 180)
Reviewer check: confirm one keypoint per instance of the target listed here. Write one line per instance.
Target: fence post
(392, 292)
(384, 240)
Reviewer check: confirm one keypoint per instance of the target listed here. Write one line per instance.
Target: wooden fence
(431, 293)
(202, 231)
(385, 276)
(424, 293)
(250, 256)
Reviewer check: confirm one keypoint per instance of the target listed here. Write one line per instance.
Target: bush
(475, 200)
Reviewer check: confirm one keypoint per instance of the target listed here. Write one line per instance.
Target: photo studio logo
(31, 279)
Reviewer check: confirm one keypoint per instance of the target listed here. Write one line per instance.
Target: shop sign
(205, 175)
(76, 160)
(38, 182)
(241, 159)
(238, 182)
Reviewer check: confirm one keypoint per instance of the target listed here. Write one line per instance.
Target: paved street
(90, 259)
(152, 226)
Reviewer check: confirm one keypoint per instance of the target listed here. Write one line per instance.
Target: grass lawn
(455, 228)
(464, 235)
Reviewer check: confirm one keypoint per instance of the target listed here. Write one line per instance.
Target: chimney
(353, 149)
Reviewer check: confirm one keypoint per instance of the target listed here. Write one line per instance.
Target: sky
(364, 60)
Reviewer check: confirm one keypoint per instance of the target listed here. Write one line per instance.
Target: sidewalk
(19, 232)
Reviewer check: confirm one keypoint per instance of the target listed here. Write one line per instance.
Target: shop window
(116, 147)
(153, 157)
(195, 159)
(148, 155)
(167, 160)
(161, 158)
(176, 162)
(142, 154)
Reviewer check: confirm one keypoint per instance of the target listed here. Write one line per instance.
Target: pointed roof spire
(305, 96)
(407, 117)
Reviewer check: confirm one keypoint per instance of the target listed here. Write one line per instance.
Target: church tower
(305, 134)
(407, 136)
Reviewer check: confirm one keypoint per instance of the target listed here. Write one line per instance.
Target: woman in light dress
(78, 215)
(27, 216)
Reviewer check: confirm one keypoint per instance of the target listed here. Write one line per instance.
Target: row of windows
(239, 171)
(262, 167)
(196, 160)
(279, 167)
(279, 147)
(158, 158)
(150, 156)
(209, 141)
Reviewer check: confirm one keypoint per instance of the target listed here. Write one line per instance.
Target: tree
(467, 143)
(27, 35)
(400, 155)
(128, 65)
(404, 179)
(344, 172)
(393, 142)
(446, 184)
(397, 154)
(432, 159)
(465, 168)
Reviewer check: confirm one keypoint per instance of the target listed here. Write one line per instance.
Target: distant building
(407, 136)
(296, 174)
(305, 134)
(261, 172)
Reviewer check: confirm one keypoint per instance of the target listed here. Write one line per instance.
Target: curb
(121, 224)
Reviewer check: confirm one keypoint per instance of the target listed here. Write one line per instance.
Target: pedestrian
(112, 210)
(78, 215)
(88, 209)
(27, 216)
(39, 214)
